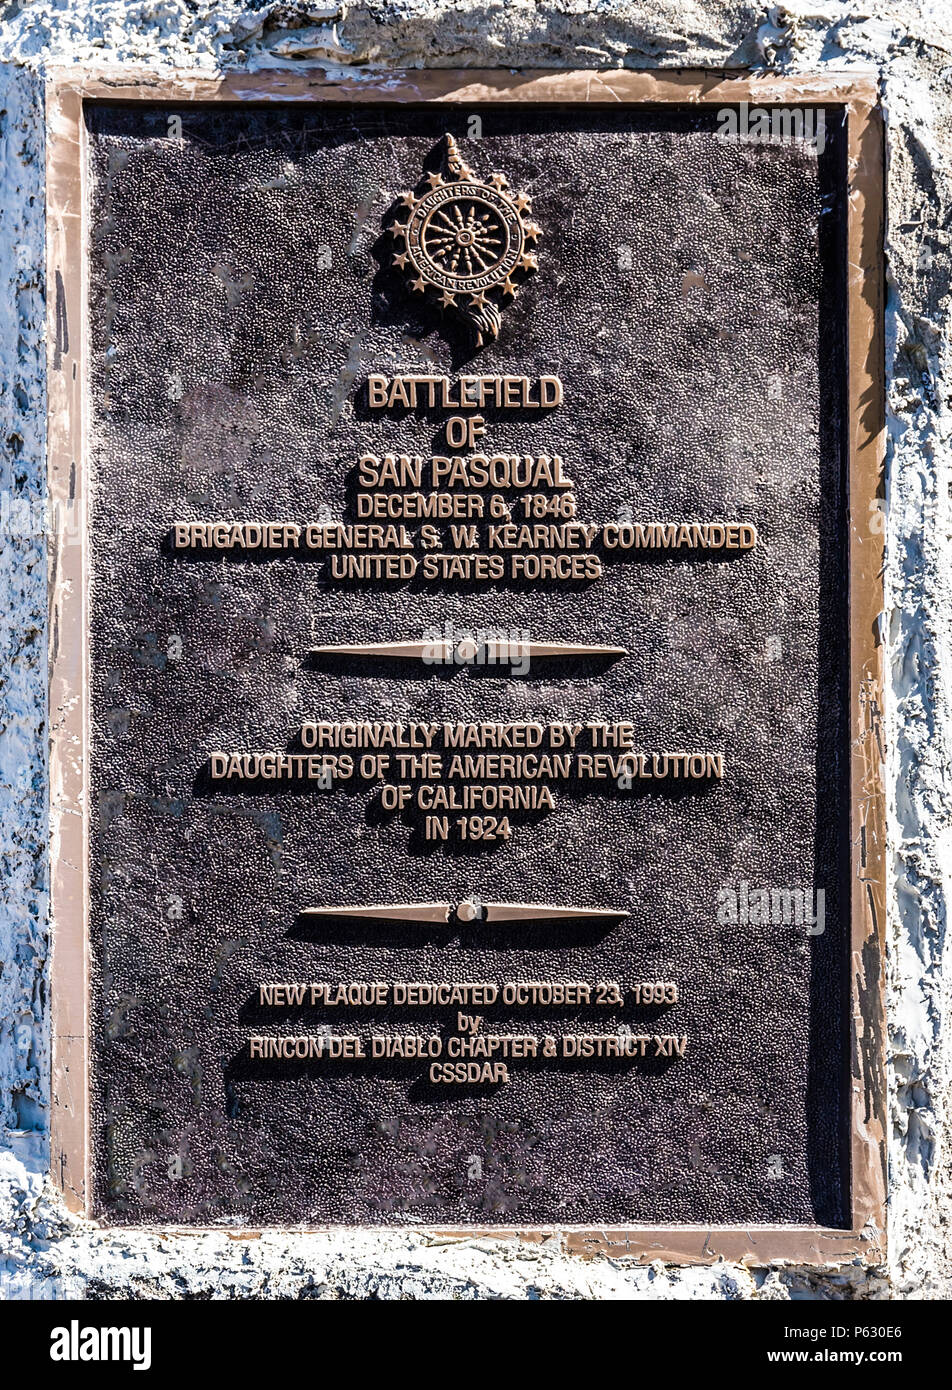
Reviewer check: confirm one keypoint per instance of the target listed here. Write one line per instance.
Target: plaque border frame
(67, 89)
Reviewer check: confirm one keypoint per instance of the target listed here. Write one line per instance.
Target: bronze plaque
(479, 724)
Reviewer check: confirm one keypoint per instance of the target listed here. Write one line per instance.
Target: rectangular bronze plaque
(465, 688)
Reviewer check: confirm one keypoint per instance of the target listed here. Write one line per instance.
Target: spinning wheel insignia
(466, 242)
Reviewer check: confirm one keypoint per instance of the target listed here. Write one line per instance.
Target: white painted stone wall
(908, 43)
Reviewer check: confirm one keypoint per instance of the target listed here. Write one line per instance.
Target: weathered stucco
(910, 46)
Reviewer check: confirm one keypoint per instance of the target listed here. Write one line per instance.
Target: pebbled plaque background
(690, 298)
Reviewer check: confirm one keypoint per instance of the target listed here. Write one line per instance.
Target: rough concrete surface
(909, 45)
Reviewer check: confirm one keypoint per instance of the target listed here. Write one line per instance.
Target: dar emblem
(466, 242)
